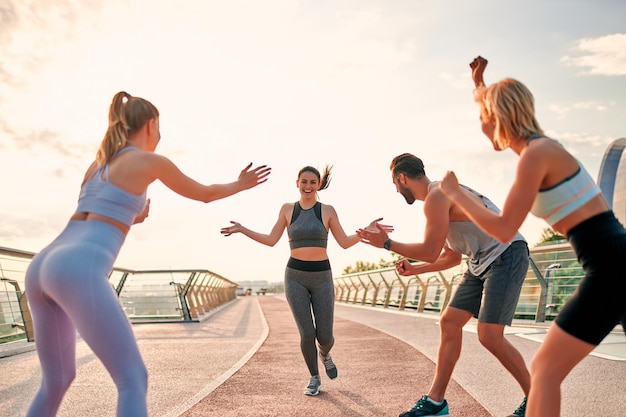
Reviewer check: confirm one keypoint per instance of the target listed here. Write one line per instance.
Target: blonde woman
(551, 184)
(67, 282)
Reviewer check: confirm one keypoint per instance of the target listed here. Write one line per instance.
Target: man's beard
(406, 193)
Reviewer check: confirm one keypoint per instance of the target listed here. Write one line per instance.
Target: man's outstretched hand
(375, 234)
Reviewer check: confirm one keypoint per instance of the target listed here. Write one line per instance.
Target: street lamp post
(540, 316)
(550, 284)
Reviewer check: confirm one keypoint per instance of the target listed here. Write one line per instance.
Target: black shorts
(598, 304)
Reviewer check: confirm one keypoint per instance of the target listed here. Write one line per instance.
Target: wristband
(387, 244)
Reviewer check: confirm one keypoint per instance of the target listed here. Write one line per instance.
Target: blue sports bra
(99, 196)
(560, 200)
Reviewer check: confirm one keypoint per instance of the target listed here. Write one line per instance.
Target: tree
(549, 236)
(361, 266)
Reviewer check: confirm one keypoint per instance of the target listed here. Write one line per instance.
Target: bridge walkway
(244, 360)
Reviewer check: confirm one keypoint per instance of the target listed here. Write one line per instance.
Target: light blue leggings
(68, 289)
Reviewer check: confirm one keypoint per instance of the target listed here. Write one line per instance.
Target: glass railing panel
(556, 264)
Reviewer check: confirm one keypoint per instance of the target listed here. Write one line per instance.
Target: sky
(349, 83)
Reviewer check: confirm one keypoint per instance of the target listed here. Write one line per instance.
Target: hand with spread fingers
(251, 177)
(375, 234)
(235, 228)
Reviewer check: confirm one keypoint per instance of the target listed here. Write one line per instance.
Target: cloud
(561, 110)
(605, 55)
(36, 27)
(459, 82)
(31, 35)
(5, 130)
(590, 105)
(586, 146)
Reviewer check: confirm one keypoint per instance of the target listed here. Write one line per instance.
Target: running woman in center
(308, 277)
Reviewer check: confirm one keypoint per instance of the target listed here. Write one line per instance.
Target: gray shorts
(492, 297)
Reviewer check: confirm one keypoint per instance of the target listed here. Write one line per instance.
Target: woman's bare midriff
(81, 216)
(309, 254)
(593, 207)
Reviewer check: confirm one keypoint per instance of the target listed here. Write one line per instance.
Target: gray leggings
(311, 296)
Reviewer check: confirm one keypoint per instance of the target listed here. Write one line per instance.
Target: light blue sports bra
(99, 196)
(557, 202)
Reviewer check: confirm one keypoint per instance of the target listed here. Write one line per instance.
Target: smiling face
(308, 183)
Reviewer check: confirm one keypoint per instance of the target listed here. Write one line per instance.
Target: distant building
(612, 177)
(255, 286)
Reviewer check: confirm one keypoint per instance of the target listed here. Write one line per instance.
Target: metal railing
(183, 295)
(552, 277)
(188, 294)
(15, 320)
(170, 294)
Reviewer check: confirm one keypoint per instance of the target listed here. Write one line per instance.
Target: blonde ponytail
(127, 114)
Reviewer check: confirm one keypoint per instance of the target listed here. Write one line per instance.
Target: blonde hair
(127, 115)
(512, 105)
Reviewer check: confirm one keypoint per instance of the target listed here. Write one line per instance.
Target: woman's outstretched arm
(266, 239)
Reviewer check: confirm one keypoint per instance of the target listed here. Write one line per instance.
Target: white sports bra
(557, 202)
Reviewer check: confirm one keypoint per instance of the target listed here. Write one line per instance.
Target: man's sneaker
(314, 386)
(521, 410)
(425, 408)
(331, 369)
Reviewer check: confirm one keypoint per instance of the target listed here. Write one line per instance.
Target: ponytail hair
(324, 178)
(127, 115)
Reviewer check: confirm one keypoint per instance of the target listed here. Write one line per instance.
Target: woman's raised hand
(478, 66)
(235, 228)
(449, 184)
(252, 177)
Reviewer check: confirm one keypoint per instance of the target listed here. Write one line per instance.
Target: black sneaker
(425, 408)
(331, 369)
(314, 386)
(521, 410)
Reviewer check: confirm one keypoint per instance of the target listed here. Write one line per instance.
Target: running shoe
(331, 369)
(521, 410)
(425, 408)
(314, 386)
